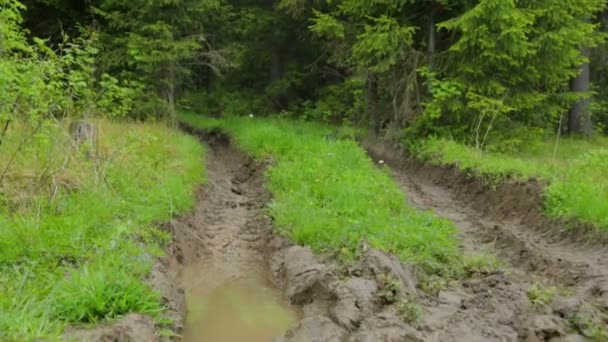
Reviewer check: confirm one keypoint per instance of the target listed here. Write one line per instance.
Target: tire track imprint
(492, 222)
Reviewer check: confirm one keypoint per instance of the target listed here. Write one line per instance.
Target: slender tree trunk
(171, 93)
(432, 36)
(275, 66)
(579, 118)
(373, 102)
(432, 47)
(276, 74)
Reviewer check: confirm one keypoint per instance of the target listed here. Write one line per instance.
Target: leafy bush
(336, 103)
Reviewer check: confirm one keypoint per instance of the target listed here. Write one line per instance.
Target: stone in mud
(380, 263)
(132, 328)
(364, 291)
(354, 299)
(386, 326)
(545, 328)
(300, 274)
(346, 313)
(315, 329)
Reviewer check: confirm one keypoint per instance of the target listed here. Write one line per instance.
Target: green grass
(329, 195)
(576, 175)
(540, 295)
(78, 235)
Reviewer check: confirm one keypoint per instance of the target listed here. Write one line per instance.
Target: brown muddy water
(247, 309)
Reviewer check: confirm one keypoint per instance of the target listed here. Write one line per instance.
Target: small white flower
(380, 161)
(251, 116)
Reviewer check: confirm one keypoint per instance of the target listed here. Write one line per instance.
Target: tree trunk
(432, 36)
(171, 93)
(373, 102)
(276, 74)
(85, 133)
(579, 117)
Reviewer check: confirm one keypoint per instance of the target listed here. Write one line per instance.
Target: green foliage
(102, 293)
(326, 26)
(540, 295)
(382, 44)
(77, 238)
(118, 98)
(388, 288)
(531, 49)
(432, 285)
(479, 265)
(39, 83)
(374, 43)
(156, 45)
(337, 103)
(587, 327)
(410, 311)
(577, 188)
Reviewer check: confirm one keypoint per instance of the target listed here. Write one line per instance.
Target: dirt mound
(342, 309)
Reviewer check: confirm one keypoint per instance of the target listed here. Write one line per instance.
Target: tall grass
(329, 195)
(576, 172)
(78, 235)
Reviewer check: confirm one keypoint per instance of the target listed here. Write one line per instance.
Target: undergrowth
(78, 235)
(575, 172)
(329, 195)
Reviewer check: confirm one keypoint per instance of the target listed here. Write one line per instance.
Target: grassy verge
(575, 172)
(78, 235)
(329, 195)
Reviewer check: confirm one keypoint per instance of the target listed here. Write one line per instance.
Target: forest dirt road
(234, 279)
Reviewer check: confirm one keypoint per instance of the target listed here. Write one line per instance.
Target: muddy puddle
(246, 309)
(222, 254)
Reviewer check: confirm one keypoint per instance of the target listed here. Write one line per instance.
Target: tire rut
(219, 257)
(534, 254)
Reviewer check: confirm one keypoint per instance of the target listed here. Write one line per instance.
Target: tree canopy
(488, 72)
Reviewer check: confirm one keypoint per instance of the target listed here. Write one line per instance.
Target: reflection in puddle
(236, 312)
